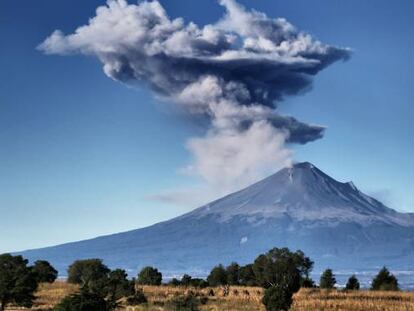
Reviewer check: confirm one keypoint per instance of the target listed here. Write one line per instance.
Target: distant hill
(299, 207)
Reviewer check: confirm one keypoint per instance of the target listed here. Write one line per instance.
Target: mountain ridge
(298, 207)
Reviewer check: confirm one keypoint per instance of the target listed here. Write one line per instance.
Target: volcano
(299, 207)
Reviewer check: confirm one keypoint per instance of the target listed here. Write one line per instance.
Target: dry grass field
(324, 300)
(247, 299)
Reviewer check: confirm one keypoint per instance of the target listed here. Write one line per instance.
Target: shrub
(87, 272)
(277, 298)
(149, 276)
(186, 280)
(233, 274)
(384, 281)
(183, 303)
(217, 276)
(327, 280)
(137, 299)
(83, 301)
(247, 276)
(282, 265)
(44, 272)
(353, 283)
(117, 285)
(198, 283)
(17, 282)
(174, 282)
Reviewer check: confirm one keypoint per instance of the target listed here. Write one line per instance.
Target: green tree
(280, 265)
(233, 274)
(277, 297)
(247, 277)
(353, 283)
(88, 273)
(117, 286)
(149, 276)
(327, 280)
(281, 273)
(137, 299)
(186, 280)
(83, 301)
(174, 282)
(384, 281)
(44, 272)
(17, 281)
(217, 276)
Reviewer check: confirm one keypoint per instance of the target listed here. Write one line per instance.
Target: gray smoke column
(232, 73)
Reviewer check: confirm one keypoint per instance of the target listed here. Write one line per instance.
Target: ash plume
(233, 73)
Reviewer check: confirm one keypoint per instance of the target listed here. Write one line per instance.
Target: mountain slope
(299, 207)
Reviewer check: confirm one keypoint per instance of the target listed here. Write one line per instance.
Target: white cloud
(231, 73)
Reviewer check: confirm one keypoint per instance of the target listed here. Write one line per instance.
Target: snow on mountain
(303, 192)
(299, 207)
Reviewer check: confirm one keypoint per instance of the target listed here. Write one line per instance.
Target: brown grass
(324, 300)
(247, 299)
(48, 295)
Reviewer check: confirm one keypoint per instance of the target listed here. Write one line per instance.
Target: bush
(233, 274)
(183, 303)
(87, 272)
(137, 299)
(149, 276)
(247, 276)
(277, 298)
(199, 283)
(83, 301)
(174, 282)
(44, 272)
(186, 280)
(117, 285)
(17, 281)
(307, 283)
(217, 276)
(353, 283)
(282, 265)
(384, 281)
(327, 280)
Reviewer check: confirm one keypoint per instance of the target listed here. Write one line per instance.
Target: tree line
(280, 272)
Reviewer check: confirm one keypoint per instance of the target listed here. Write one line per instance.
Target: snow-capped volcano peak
(302, 193)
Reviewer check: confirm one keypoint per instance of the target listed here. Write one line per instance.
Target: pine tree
(327, 280)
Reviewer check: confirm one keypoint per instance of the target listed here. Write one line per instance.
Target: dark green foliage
(96, 280)
(44, 272)
(233, 274)
(353, 283)
(327, 280)
(183, 303)
(118, 285)
(277, 297)
(87, 273)
(384, 281)
(307, 283)
(186, 280)
(281, 272)
(199, 283)
(137, 299)
(280, 265)
(17, 281)
(174, 282)
(217, 276)
(247, 277)
(149, 276)
(83, 301)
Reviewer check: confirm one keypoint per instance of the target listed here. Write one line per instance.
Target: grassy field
(247, 299)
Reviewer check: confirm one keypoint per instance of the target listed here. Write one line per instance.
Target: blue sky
(81, 153)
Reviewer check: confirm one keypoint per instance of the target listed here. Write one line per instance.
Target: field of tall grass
(245, 299)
